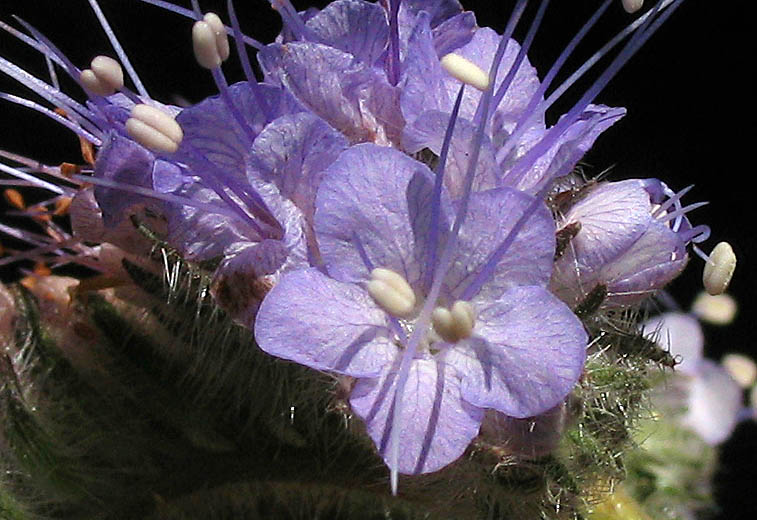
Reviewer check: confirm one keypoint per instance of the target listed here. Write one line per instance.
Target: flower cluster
(387, 204)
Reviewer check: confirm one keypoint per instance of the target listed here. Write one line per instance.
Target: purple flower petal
(527, 352)
(353, 98)
(316, 321)
(566, 152)
(613, 215)
(356, 27)
(428, 87)
(436, 425)
(124, 161)
(363, 194)
(428, 131)
(715, 401)
(292, 152)
(491, 216)
(212, 132)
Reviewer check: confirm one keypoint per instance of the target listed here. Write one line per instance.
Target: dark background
(690, 120)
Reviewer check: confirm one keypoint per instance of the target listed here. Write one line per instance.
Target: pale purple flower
(712, 401)
(526, 350)
(629, 237)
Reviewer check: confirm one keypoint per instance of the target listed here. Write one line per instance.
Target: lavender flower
(627, 237)
(712, 401)
(510, 345)
(429, 290)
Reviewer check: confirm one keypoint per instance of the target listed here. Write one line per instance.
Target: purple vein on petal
(434, 231)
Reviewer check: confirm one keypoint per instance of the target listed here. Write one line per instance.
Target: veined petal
(337, 87)
(436, 425)
(363, 195)
(357, 27)
(492, 214)
(292, 152)
(316, 321)
(210, 129)
(526, 354)
(428, 131)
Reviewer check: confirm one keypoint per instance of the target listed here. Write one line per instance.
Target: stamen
(31, 178)
(720, 309)
(392, 292)
(741, 368)
(188, 13)
(210, 43)
(465, 71)
(154, 129)
(454, 324)
(104, 77)
(119, 50)
(719, 269)
(424, 317)
(631, 6)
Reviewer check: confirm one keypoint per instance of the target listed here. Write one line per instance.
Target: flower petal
(316, 321)
(715, 401)
(436, 425)
(428, 131)
(355, 99)
(292, 152)
(363, 195)
(492, 214)
(357, 27)
(526, 354)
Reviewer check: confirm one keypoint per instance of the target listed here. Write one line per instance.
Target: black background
(690, 120)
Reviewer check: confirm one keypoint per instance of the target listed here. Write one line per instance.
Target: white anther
(741, 368)
(104, 77)
(154, 129)
(210, 42)
(465, 71)
(631, 6)
(455, 324)
(392, 292)
(719, 269)
(718, 310)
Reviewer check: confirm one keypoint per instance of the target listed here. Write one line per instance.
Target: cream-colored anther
(454, 324)
(104, 77)
(718, 270)
(631, 6)
(154, 129)
(392, 292)
(210, 42)
(741, 368)
(718, 310)
(465, 71)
